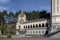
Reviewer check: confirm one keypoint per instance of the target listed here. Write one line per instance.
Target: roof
(37, 20)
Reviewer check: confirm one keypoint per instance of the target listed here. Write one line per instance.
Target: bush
(9, 35)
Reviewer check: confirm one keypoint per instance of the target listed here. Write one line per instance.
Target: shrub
(9, 35)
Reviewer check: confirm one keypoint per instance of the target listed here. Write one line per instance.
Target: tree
(2, 14)
(48, 16)
(43, 14)
(16, 14)
(35, 14)
(3, 28)
(11, 14)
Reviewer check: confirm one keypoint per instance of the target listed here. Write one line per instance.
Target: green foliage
(3, 28)
(29, 15)
(8, 35)
(11, 13)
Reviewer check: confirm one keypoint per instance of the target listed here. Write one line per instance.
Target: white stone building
(55, 15)
(32, 28)
(39, 27)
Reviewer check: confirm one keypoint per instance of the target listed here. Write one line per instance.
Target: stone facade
(31, 28)
(55, 15)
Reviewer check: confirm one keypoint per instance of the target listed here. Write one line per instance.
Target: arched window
(39, 25)
(42, 24)
(36, 25)
(33, 32)
(36, 32)
(46, 25)
(30, 26)
(24, 27)
(33, 26)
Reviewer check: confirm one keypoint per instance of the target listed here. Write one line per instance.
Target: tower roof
(22, 14)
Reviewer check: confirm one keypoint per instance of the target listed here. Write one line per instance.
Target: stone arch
(33, 26)
(24, 26)
(36, 25)
(28, 26)
(42, 24)
(46, 24)
(39, 25)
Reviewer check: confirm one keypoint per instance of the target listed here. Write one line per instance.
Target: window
(42, 31)
(24, 27)
(39, 25)
(33, 32)
(39, 31)
(33, 26)
(30, 31)
(36, 25)
(21, 20)
(36, 31)
(28, 26)
(54, 26)
(42, 25)
(58, 27)
(46, 24)
(54, 19)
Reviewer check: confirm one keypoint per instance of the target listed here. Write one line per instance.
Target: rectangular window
(42, 31)
(33, 32)
(28, 32)
(39, 31)
(36, 31)
(54, 26)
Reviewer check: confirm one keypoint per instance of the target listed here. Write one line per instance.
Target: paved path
(56, 35)
(29, 38)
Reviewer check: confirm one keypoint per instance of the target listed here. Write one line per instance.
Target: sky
(26, 5)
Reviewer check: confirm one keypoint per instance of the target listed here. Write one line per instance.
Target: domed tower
(21, 17)
(19, 25)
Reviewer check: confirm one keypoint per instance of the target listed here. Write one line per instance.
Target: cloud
(3, 8)
(4, 1)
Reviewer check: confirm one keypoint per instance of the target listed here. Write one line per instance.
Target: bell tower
(55, 15)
